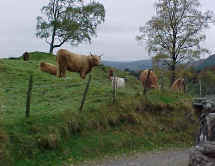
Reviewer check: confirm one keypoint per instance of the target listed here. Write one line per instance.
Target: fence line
(114, 89)
(37, 86)
(147, 82)
(85, 93)
(47, 101)
(28, 102)
(44, 86)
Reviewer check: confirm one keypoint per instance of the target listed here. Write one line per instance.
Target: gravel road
(162, 158)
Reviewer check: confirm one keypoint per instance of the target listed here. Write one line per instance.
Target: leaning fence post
(28, 101)
(85, 93)
(200, 88)
(146, 82)
(114, 84)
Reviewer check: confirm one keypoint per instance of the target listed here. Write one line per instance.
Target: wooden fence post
(200, 88)
(146, 82)
(114, 88)
(85, 93)
(28, 101)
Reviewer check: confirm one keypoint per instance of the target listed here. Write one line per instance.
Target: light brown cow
(82, 64)
(178, 85)
(48, 67)
(152, 81)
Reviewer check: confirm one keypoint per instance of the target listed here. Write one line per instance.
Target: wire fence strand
(45, 103)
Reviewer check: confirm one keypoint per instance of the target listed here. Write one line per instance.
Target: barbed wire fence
(37, 99)
(20, 102)
(41, 100)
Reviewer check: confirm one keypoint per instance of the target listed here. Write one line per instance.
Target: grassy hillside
(51, 94)
(57, 133)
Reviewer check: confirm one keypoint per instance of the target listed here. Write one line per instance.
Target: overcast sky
(115, 38)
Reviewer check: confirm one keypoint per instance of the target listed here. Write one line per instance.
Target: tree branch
(59, 45)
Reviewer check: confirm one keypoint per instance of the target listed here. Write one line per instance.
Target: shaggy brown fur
(82, 64)
(49, 68)
(178, 85)
(152, 81)
(26, 56)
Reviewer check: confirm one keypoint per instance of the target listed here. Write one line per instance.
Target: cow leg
(83, 75)
(63, 71)
(58, 70)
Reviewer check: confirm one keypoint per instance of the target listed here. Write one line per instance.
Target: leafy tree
(176, 31)
(208, 81)
(69, 21)
(159, 61)
(160, 67)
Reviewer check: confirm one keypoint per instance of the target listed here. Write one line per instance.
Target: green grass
(57, 132)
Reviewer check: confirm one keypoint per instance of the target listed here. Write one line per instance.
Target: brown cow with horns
(82, 64)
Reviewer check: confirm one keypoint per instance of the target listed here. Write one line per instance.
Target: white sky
(115, 38)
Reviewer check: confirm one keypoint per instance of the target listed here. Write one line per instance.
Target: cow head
(95, 60)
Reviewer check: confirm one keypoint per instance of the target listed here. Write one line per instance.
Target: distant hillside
(206, 63)
(203, 64)
(197, 63)
(134, 65)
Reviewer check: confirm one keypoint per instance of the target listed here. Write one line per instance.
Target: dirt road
(163, 158)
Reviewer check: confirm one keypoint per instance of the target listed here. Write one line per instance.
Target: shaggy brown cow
(49, 68)
(82, 64)
(152, 79)
(178, 85)
(26, 56)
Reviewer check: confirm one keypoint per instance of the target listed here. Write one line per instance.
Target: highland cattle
(178, 85)
(148, 79)
(48, 68)
(72, 62)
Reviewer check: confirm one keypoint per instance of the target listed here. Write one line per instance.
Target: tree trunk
(173, 73)
(52, 41)
(51, 49)
(174, 57)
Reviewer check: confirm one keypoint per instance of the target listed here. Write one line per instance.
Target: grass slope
(57, 133)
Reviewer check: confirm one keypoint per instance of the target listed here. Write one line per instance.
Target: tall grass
(133, 124)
